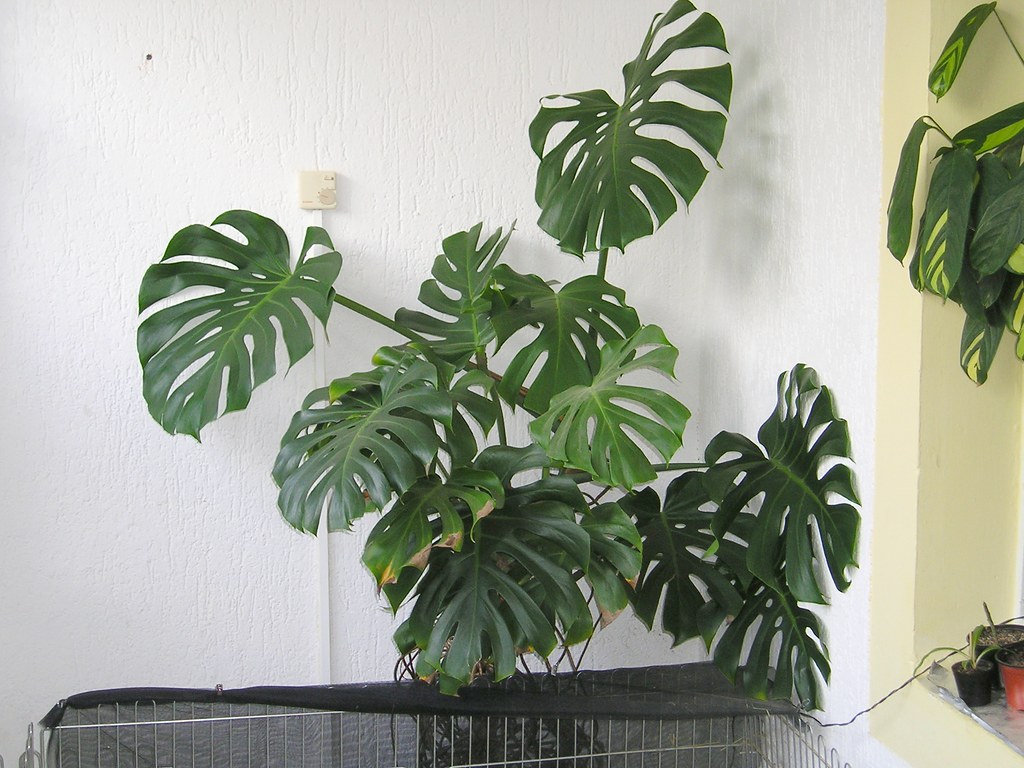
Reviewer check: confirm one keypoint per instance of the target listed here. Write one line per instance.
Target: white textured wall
(132, 558)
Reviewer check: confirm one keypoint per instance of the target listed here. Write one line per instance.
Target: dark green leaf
(800, 485)
(608, 180)
(943, 235)
(373, 436)
(469, 394)
(1000, 230)
(567, 322)
(774, 647)
(947, 66)
(993, 132)
(677, 557)
(901, 201)
(430, 514)
(615, 557)
(594, 427)
(489, 601)
(460, 293)
(195, 354)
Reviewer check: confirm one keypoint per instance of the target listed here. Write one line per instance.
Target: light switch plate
(317, 190)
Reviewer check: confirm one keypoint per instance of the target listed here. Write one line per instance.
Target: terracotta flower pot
(1006, 635)
(1011, 668)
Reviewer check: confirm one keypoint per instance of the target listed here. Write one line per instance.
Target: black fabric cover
(689, 691)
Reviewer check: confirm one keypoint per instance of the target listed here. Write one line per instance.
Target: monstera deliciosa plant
(492, 550)
(968, 247)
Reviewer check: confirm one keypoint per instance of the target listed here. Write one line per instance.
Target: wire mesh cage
(679, 717)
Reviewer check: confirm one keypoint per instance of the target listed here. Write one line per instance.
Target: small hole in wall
(149, 57)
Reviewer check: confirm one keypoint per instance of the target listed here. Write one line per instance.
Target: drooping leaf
(1015, 307)
(615, 557)
(474, 605)
(979, 343)
(774, 647)
(595, 427)
(1000, 230)
(363, 439)
(195, 354)
(459, 293)
(614, 176)
(901, 201)
(993, 132)
(943, 236)
(802, 481)
(567, 321)
(469, 394)
(430, 514)
(680, 552)
(947, 66)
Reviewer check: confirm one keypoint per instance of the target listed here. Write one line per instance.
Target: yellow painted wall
(947, 507)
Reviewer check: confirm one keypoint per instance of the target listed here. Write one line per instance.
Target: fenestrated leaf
(979, 343)
(471, 606)
(594, 427)
(901, 201)
(802, 483)
(614, 176)
(430, 514)
(993, 132)
(469, 394)
(680, 552)
(943, 236)
(567, 321)
(947, 66)
(195, 354)
(459, 292)
(1000, 230)
(774, 647)
(366, 435)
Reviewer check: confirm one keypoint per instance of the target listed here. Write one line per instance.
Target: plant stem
(679, 467)
(377, 317)
(481, 362)
(602, 263)
(1010, 39)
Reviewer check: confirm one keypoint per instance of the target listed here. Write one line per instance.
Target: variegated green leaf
(993, 132)
(566, 325)
(943, 236)
(978, 345)
(601, 427)
(607, 180)
(203, 356)
(948, 65)
(1015, 312)
(901, 201)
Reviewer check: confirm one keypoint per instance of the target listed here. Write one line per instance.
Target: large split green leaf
(901, 201)
(490, 601)
(774, 647)
(460, 294)
(947, 66)
(366, 438)
(430, 514)
(615, 557)
(680, 565)
(802, 481)
(943, 237)
(203, 356)
(568, 324)
(614, 176)
(602, 427)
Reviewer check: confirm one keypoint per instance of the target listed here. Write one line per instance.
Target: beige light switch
(317, 190)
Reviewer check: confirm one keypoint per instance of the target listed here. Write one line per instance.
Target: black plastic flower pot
(974, 685)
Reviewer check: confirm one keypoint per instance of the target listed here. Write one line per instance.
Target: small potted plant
(973, 674)
(1000, 636)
